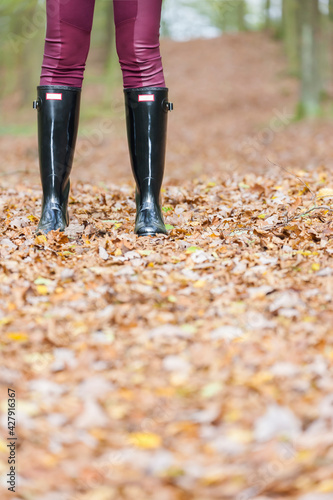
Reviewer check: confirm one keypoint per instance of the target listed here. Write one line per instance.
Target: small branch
(294, 175)
(280, 224)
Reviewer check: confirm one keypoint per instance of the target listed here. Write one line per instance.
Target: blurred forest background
(304, 27)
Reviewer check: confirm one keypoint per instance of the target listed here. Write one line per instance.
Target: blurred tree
(22, 31)
(241, 15)
(267, 5)
(330, 42)
(290, 30)
(228, 15)
(311, 77)
(20, 28)
(330, 9)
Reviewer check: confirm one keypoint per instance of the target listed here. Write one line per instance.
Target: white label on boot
(146, 98)
(54, 97)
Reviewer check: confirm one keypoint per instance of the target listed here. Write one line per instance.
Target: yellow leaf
(172, 298)
(18, 336)
(169, 391)
(146, 440)
(118, 252)
(211, 389)
(39, 240)
(261, 378)
(173, 472)
(199, 284)
(42, 290)
(315, 266)
(305, 253)
(325, 192)
(233, 416)
(261, 216)
(211, 479)
(304, 456)
(5, 321)
(192, 249)
(309, 319)
(117, 225)
(326, 486)
(32, 218)
(145, 252)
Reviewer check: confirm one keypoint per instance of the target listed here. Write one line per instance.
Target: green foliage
(228, 15)
(22, 31)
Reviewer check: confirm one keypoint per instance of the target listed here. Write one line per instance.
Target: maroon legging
(67, 42)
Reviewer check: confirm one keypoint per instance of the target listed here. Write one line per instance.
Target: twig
(287, 219)
(299, 178)
(280, 224)
(40, 247)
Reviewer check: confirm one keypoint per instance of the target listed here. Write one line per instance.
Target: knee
(75, 46)
(136, 49)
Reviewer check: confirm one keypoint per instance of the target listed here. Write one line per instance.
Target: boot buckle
(167, 106)
(36, 104)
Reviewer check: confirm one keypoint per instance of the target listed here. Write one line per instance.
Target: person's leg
(67, 43)
(137, 39)
(146, 100)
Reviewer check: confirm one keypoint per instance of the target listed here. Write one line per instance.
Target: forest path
(192, 366)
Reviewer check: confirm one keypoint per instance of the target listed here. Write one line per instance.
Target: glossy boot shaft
(146, 119)
(58, 109)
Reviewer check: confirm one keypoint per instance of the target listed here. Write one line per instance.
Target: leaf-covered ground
(192, 366)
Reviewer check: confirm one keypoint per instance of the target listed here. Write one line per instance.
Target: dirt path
(189, 367)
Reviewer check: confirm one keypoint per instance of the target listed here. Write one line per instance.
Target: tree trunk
(290, 20)
(310, 60)
(330, 10)
(241, 11)
(267, 14)
(330, 41)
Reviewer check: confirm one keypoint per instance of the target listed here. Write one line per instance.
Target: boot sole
(150, 234)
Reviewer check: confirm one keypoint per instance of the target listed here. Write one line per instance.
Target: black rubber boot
(146, 118)
(58, 110)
